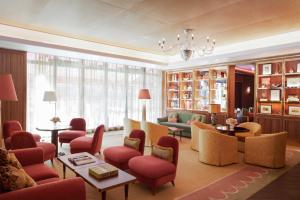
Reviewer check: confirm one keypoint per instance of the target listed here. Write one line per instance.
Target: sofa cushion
(82, 143)
(48, 180)
(172, 117)
(72, 134)
(40, 172)
(133, 143)
(145, 165)
(120, 154)
(165, 153)
(12, 178)
(198, 117)
(9, 159)
(184, 117)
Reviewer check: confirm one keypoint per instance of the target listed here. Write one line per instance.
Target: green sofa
(182, 121)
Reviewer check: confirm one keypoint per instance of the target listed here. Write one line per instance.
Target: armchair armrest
(67, 189)
(162, 119)
(29, 156)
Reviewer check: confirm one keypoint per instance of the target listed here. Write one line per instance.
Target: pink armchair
(10, 128)
(78, 129)
(49, 186)
(91, 145)
(24, 139)
(120, 155)
(154, 171)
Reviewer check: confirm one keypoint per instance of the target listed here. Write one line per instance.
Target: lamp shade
(49, 96)
(144, 94)
(7, 88)
(214, 108)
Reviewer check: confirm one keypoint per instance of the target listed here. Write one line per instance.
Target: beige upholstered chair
(216, 148)
(266, 150)
(195, 127)
(255, 130)
(154, 132)
(130, 125)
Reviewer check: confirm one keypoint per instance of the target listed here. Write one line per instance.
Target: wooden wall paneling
(231, 91)
(270, 123)
(15, 63)
(292, 126)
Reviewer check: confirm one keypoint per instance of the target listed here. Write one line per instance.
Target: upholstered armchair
(254, 130)
(216, 148)
(154, 132)
(91, 145)
(130, 125)
(12, 127)
(195, 127)
(78, 129)
(266, 150)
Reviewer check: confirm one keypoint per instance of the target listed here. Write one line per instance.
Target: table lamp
(7, 93)
(144, 94)
(50, 96)
(214, 109)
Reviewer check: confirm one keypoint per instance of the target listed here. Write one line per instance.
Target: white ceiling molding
(30, 37)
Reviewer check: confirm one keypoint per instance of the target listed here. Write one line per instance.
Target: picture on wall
(266, 109)
(275, 95)
(267, 69)
(294, 110)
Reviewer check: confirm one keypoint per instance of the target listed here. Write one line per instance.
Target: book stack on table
(81, 160)
(103, 171)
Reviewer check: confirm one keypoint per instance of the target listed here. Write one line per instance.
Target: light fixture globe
(186, 54)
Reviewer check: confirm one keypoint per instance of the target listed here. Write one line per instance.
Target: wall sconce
(248, 90)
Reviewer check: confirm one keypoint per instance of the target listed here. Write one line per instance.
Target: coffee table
(175, 130)
(123, 178)
(228, 131)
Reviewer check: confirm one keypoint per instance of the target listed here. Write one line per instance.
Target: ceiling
(139, 24)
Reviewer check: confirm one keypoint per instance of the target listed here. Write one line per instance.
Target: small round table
(228, 131)
(175, 130)
(54, 133)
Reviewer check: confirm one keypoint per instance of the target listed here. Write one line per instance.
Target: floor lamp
(7, 93)
(50, 96)
(144, 95)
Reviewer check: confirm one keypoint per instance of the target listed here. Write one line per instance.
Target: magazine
(81, 160)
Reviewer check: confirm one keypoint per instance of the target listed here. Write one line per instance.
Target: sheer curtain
(101, 92)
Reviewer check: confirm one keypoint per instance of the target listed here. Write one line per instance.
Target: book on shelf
(81, 160)
(103, 171)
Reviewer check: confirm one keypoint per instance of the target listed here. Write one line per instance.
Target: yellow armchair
(154, 132)
(130, 124)
(216, 148)
(266, 150)
(195, 127)
(254, 130)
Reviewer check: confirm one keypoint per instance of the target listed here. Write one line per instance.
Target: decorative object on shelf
(144, 95)
(50, 97)
(187, 45)
(294, 110)
(265, 82)
(291, 70)
(275, 95)
(267, 69)
(266, 109)
(293, 82)
(276, 85)
(298, 67)
(231, 122)
(214, 109)
(292, 98)
(7, 93)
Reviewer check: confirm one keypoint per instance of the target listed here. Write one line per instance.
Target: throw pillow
(12, 178)
(165, 153)
(196, 117)
(172, 117)
(132, 142)
(9, 159)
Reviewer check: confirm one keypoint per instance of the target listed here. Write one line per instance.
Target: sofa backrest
(183, 117)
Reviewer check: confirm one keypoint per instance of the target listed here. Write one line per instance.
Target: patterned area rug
(241, 184)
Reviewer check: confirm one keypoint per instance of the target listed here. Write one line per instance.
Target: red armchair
(153, 171)
(49, 186)
(24, 139)
(91, 145)
(78, 129)
(120, 155)
(10, 128)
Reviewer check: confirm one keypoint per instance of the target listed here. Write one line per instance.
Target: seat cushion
(48, 148)
(120, 154)
(81, 144)
(36, 137)
(48, 180)
(145, 165)
(40, 172)
(71, 134)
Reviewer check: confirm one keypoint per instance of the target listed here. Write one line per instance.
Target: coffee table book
(103, 171)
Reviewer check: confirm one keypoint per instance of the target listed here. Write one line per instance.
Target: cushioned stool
(120, 155)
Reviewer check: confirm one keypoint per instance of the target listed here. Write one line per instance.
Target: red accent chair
(78, 129)
(91, 145)
(49, 186)
(154, 171)
(10, 128)
(120, 155)
(23, 139)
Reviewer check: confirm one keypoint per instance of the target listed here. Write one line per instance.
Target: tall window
(101, 92)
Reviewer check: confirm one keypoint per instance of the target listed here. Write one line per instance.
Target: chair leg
(153, 190)
(51, 161)
(61, 144)
(173, 183)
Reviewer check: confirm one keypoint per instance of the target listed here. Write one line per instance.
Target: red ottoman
(78, 130)
(120, 155)
(154, 171)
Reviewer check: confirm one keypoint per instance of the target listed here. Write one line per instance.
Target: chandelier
(187, 46)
